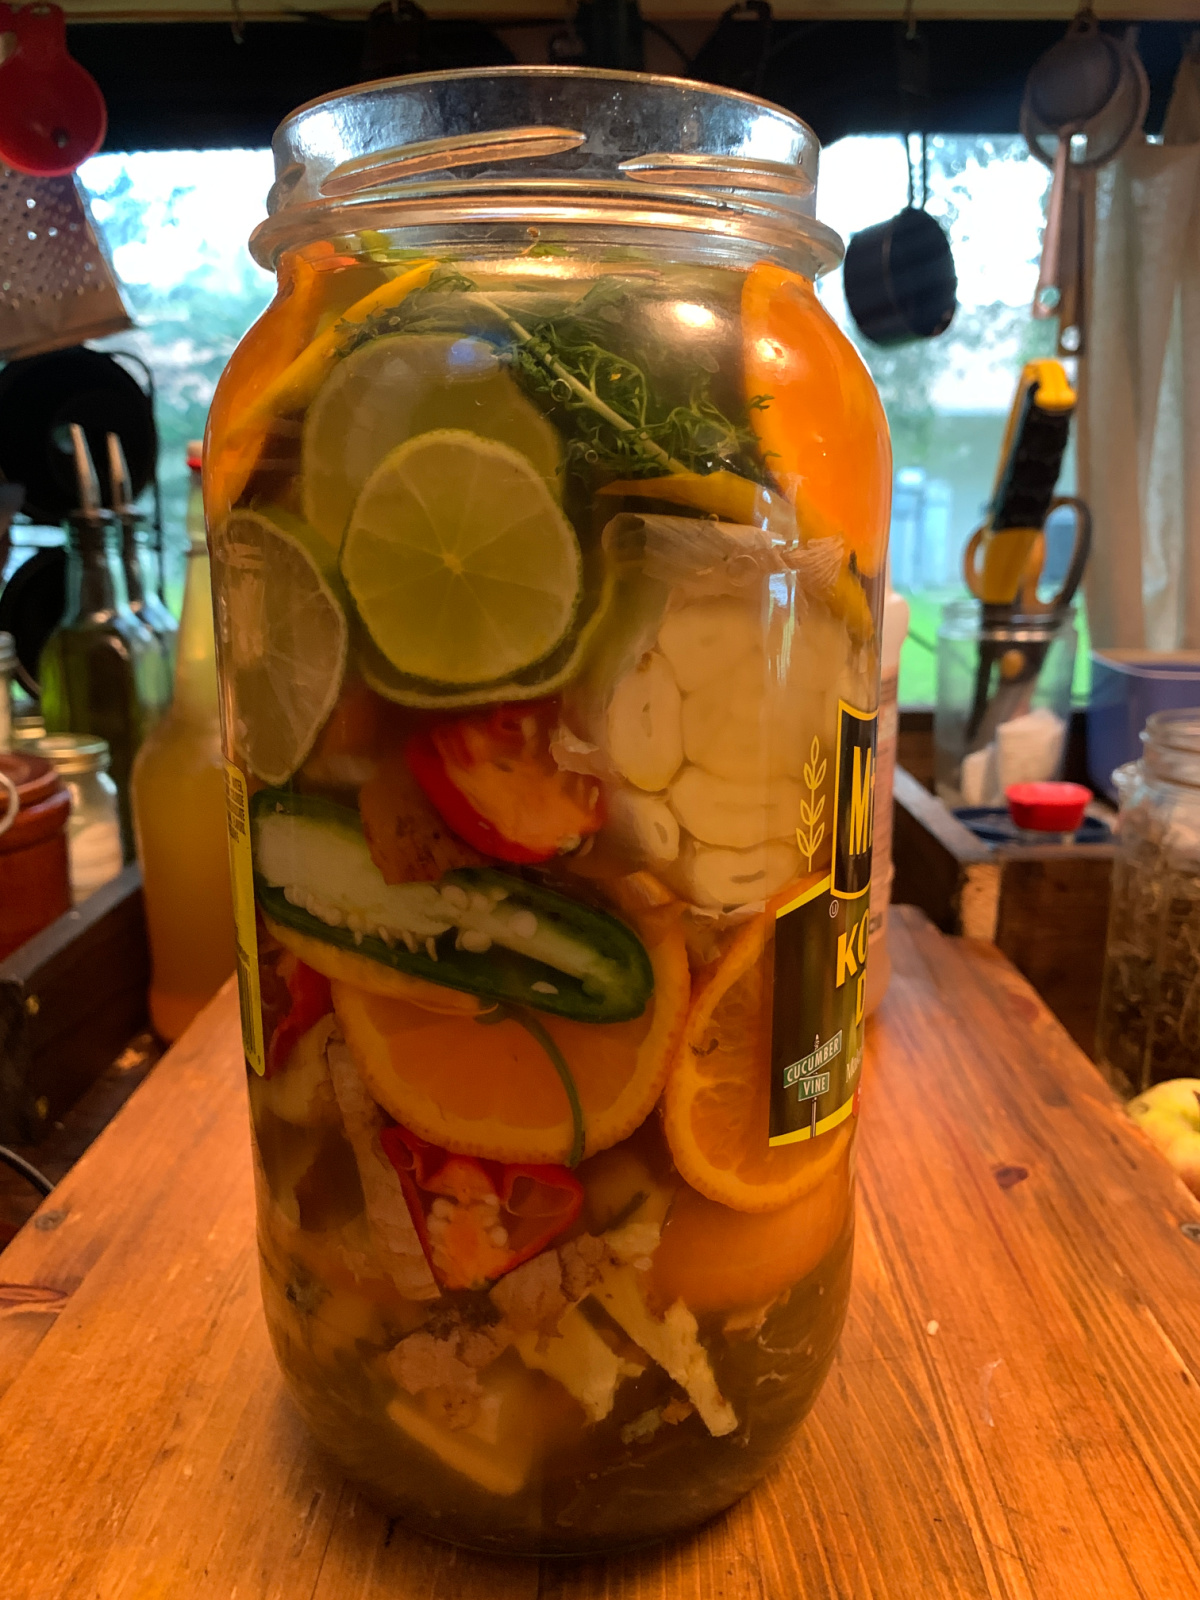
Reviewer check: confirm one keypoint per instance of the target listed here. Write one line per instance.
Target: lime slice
(460, 562)
(394, 388)
(545, 677)
(282, 637)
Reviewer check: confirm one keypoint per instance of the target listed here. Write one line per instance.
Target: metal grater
(56, 286)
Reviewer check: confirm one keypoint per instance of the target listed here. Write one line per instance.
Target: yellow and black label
(241, 868)
(854, 801)
(821, 938)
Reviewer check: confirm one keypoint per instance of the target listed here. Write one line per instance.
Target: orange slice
(487, 1088)
(714, 1259)
(293, 388)
(723, 494)
(823, 429)
(279, 365)
(717, 1104)
(275, 339)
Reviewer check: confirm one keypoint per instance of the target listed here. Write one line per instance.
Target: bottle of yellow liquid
(179, 811)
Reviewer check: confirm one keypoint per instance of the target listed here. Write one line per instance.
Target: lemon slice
(460, 563)
(395, 388)
(283, 639)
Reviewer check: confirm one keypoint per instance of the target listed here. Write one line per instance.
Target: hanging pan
(899, 275)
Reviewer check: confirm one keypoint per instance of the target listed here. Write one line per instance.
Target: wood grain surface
(1014, 1412)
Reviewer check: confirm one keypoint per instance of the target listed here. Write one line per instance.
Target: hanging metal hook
(912, 171)
(913, 82)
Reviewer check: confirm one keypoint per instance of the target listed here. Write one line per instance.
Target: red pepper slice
(479, 1219)
(493, 779)
(311, 998)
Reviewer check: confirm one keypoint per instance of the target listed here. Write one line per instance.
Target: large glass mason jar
(548, 514)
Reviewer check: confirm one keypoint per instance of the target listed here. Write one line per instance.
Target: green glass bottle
(101, 671)
(145, 601)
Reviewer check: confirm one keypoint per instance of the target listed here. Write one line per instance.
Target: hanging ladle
(1088, 89)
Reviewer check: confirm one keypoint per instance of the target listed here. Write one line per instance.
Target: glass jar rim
(1171, 747)
(970, 619)
(542, 145)
(1176, 731)
(74, 754)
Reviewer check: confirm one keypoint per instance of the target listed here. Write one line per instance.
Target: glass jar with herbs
(1149, 1027)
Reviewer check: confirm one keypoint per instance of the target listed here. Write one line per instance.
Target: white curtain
(1139, 421)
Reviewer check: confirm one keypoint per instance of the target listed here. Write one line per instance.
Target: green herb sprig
(534, 1027)
(617, 421)
(437, 308)
(603, 400)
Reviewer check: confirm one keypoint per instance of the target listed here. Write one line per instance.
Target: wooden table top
(1014, 1411)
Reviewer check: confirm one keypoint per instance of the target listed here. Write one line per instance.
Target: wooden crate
(70, 1001)
(1044, 906)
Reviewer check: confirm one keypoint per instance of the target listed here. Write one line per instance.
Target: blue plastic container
(1128, 686)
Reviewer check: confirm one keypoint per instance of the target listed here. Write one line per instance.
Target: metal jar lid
(27, 728)
(73, 754)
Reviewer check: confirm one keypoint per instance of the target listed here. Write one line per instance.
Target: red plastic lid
(195, 454)
(35, 778)
(1047, 807)
(44, 801)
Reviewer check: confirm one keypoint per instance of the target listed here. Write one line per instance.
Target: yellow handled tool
(1004, 558)
(997, 560)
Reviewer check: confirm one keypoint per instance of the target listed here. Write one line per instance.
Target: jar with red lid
(35, 881)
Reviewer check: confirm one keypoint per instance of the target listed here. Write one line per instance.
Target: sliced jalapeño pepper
(488, 932)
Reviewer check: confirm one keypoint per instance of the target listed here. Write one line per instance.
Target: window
(176, 224)
(947, 399)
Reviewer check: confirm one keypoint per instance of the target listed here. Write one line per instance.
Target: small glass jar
(1003, 701)
(102, 671)
(1149, 1024)
(8, 662)
(94, 831)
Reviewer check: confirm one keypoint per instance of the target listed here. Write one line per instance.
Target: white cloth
(1026, 749)
(1139, 420)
